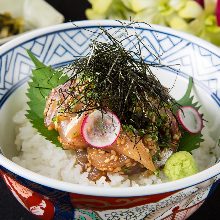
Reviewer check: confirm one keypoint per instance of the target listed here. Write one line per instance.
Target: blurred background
(197, 17)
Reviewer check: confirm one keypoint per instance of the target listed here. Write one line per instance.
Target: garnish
(100, 129)
(189, 142)
(43, 80)
(179, 165)
(112, 79)
(190, 119)
(120, 80)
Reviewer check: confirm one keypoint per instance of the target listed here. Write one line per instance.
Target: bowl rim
(108, 191)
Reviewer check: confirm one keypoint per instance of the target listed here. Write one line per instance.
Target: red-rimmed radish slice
(190, 119)
(100, 129)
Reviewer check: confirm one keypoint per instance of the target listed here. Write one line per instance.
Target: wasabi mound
(181, 164)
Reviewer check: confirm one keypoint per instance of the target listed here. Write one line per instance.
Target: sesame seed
(107, 160)
(112, 157)
(116, 158)
(127, 161)
(113, 152)
(122, 141)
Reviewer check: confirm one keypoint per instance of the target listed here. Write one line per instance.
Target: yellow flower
(177, 4)
(183, 15)
(178, 23)
(137, 5)
(190, 10)
(206, 24)
(157, 12)
(100, 6)
(108, 9)
(185, 10)
(99, 9)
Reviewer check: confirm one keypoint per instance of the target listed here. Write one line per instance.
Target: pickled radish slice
(100, 129)
(190, 119)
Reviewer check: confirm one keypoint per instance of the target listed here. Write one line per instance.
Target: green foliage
(189, 142)
(43, 80)
(183, 15)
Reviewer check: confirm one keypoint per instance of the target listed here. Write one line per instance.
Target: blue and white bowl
(57, 46)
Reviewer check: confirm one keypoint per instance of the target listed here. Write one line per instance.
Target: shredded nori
(113, 78)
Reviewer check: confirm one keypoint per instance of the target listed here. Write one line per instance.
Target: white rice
(41, 156)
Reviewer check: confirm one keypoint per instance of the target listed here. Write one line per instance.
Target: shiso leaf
(43, 80)
(189, 142)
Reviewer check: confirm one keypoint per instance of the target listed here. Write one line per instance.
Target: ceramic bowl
(57, 46)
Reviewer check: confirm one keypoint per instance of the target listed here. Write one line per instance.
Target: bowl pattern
(62, 46)
(47, 203)
(58, 48)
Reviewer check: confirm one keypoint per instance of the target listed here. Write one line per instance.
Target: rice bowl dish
(119, 134)
(41, 156)
(53, 176)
